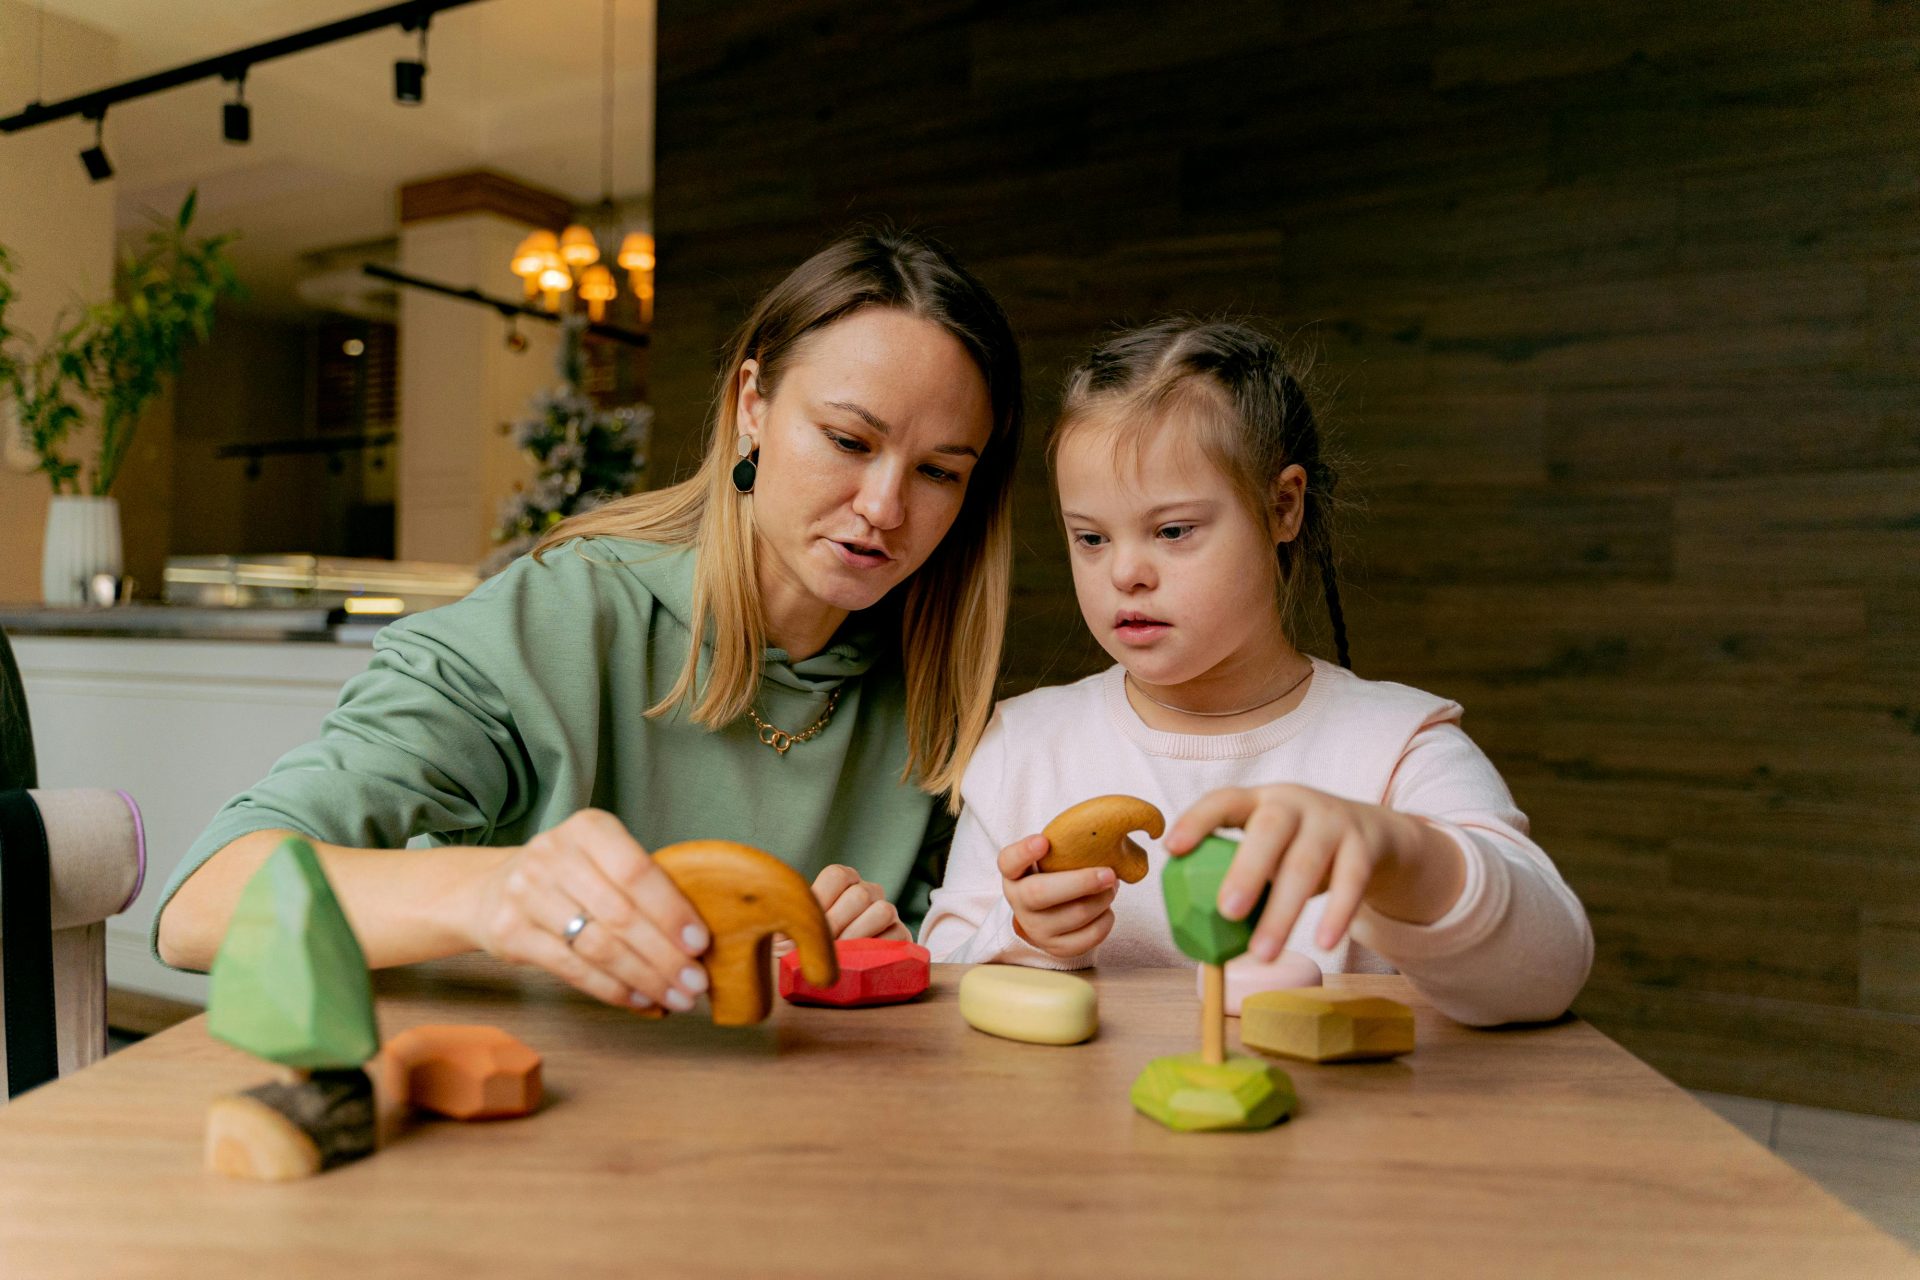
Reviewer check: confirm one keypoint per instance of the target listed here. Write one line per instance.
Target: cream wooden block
(1326, 1026)
(1040, 1006)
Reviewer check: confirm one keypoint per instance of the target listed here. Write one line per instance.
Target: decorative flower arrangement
(584, 456)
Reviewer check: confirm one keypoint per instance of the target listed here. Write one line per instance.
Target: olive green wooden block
(1187, 1093)
(290, 982)
(1191, 886)
(1326, 1026)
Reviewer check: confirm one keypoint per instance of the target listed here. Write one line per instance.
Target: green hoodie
(488, 721)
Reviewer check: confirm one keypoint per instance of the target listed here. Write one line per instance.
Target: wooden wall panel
(1615, 312)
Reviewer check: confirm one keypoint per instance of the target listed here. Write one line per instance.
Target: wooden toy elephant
(745, 896)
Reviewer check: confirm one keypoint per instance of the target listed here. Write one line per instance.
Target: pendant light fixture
(552, 265)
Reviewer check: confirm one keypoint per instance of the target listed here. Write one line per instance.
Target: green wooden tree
(290, 983)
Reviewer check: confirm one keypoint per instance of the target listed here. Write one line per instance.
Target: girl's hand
(642, 935)
(1304, 841)
(855, 908)
(1064, 913)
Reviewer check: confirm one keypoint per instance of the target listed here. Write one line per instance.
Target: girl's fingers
(1057, 922)
(1085, 938)
(874, 922)
(1301, 876)
(850, 904)
(582, 880)
(1352, 871)
(1227, 807)
(1050, 889)
(621, 859)
(831, 883)
(1268, 834)
(1018, 858)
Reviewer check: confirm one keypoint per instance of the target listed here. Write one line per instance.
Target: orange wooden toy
(745, 896)
(468, 1073)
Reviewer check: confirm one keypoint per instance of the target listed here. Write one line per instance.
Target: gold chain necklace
(780, 739)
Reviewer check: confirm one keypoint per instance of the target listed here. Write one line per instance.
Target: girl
(1190, 481)
(795, 649)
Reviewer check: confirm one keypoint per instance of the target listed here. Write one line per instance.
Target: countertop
(189, 622)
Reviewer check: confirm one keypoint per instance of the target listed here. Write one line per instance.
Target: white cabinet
(182, 726)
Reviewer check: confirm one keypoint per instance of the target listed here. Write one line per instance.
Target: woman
(844, 554)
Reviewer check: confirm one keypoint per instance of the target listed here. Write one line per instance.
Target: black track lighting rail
(506, 307)
(412, 15)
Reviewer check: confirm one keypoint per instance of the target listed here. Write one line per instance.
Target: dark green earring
(748, 468)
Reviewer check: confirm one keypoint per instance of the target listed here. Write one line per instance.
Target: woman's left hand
(855, 908)
(1304, 841)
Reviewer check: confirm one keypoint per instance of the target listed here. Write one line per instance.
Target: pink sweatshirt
(1515, 947)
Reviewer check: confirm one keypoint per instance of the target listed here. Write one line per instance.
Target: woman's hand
(1064, 913)
(639, 946)
(1303, 842)
(855, 908)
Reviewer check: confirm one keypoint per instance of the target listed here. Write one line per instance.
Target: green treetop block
(290, 983)
(1192, 888)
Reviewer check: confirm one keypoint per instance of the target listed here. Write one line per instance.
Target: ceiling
(512, 85)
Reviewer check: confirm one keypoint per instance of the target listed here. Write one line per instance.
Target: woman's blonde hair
(953, 610)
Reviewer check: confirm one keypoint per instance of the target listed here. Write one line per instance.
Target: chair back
(69, 858)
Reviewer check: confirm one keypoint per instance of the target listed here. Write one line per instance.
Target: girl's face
(866, 448)
(1176, 579)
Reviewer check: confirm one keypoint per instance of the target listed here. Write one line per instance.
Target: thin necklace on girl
(1137, 688)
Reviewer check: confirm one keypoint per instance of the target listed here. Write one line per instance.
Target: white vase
(83, 538)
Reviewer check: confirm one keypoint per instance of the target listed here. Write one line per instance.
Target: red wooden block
(872, 971)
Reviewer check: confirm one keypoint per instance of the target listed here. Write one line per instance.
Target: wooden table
(900, 1142)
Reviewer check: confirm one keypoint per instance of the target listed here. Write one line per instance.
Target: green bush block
(1192, 887)
(1183, 1092)
(290, 983)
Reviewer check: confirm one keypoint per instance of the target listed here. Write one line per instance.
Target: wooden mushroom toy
(1094, 833)
(745, 896)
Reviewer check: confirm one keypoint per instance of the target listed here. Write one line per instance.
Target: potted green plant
(99, 370)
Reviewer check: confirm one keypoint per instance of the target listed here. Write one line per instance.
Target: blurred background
(1612, 309)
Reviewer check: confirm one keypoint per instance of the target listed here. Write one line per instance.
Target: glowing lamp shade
(636, 251)
(532, 256)
(577, 247)
(597, 287)
(554, 281)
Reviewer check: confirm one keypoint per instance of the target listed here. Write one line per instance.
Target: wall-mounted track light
(236, 117)
(410, 74)
(99, 168)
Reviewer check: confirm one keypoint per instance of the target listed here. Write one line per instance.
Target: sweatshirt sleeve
(422, 741)
(968, 918)
(1516, 946)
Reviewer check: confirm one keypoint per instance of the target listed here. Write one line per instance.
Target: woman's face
(867, 445)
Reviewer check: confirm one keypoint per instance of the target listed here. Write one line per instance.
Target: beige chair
(68, 860)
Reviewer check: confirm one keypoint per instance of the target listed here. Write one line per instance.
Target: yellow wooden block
(1040, 1006)
(1326, 1026)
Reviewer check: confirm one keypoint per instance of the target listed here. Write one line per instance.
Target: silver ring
(575, 926)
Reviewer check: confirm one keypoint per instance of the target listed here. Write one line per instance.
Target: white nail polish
(679, 1000)
(640, 1000)
(693, 979)
(695, 937)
